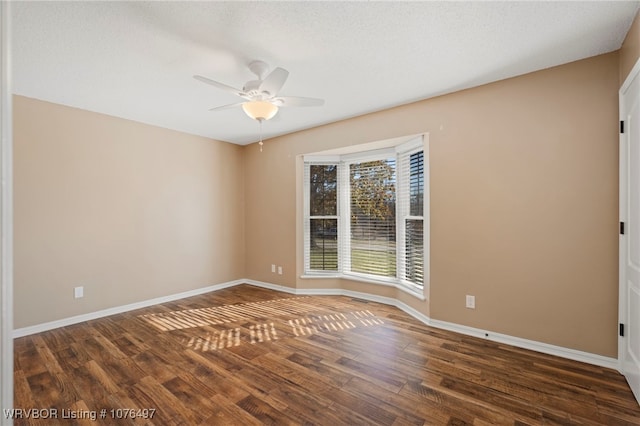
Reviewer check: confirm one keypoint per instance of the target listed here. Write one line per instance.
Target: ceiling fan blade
(295, 101)
(226, 106)
(221, 86)
(274, 81)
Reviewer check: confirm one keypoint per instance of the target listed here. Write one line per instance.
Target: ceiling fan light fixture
(260, 110)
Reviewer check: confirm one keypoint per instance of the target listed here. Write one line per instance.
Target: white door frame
(6, 215)
(623, 204)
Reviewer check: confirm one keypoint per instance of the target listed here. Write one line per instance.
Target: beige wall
(630, 49)
(523, 203)
(523, 207)
(129, 211)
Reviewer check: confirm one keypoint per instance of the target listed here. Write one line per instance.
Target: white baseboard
(572, 354)
(545, 348)
(270, 286)
(533, 345)
(25, 331)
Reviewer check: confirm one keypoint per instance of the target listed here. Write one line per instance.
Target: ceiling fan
(261, 100)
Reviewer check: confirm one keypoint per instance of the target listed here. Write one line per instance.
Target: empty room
(320, 213)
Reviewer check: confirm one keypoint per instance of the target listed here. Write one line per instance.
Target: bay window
(364, 215)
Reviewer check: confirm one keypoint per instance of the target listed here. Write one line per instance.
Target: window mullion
(402, 205)
(344, 213)
(306, 214)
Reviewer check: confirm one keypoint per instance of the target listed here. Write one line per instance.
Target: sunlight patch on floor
(299, 326)
(216, 315)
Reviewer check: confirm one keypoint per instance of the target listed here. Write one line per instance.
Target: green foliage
(372, 190)
(323, 187)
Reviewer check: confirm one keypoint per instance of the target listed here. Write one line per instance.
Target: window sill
(410, 289)
(321, 276)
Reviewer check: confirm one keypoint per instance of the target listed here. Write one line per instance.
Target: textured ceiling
(136, 59)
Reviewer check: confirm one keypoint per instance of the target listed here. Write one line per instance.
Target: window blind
(411, 220)
(372, 203)
(321, 224)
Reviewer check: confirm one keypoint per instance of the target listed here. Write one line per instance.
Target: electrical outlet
(273, 267)
(471, 302)
(279, 270)
(78, 292)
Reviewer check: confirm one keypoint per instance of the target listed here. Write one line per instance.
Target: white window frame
(321, 161)
(345, 200)
(414, 145)
(403, 209)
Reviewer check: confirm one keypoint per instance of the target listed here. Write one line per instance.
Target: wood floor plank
(295, 373)
(28, 359)
(148, 390)
(217, 378)
(228, 413)
(367, 391)
(91, 390)
(22, 391)
(190, 397)
(43, 387)
(330, 375)
(264, 412)
(366, 407)
(250, 356)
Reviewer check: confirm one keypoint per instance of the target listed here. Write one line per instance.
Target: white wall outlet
(471, 302)
(279, 270)
(78, 292)
(273, 267)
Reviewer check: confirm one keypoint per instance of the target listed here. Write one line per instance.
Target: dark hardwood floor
(247, 355)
